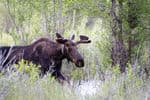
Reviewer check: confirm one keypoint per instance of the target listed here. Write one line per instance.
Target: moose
(45, 52)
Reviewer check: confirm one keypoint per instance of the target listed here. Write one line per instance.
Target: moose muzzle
(79, 63)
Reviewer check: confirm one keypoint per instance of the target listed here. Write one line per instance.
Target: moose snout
(80, 63)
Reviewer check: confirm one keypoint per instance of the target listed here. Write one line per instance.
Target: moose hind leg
(43, 71)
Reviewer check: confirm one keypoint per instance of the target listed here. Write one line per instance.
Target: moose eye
(67, 44)
(73, 45)
(69, 49)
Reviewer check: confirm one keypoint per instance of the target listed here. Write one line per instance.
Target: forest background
(117, 60)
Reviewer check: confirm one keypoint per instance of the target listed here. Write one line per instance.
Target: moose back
(45, 52)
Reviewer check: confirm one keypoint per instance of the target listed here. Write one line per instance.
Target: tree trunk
(133, 23)
(118, 51)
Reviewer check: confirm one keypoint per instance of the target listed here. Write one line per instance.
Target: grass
(19, 86)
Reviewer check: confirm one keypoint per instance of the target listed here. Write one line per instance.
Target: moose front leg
(57, 71)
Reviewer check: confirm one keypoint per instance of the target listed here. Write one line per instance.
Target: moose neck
(65, 54)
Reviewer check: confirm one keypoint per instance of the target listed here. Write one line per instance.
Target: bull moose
(45, 52)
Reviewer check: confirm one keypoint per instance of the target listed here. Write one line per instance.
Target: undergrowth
(23, 85)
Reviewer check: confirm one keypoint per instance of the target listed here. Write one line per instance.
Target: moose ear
(62, 41)
(59, 35)
(72, 37)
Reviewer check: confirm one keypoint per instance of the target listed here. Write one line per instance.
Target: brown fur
(46, 53)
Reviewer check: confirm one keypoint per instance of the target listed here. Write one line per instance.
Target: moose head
(70, 48)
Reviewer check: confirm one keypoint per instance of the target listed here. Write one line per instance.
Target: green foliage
(77, 74)
(22, 21)
(127, 86)
(20, 88)
(116, 70)
(123, 86)
(132, 77)
(6, 39)
(28, 68)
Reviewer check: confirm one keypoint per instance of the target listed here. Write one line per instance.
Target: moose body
(45, 52)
